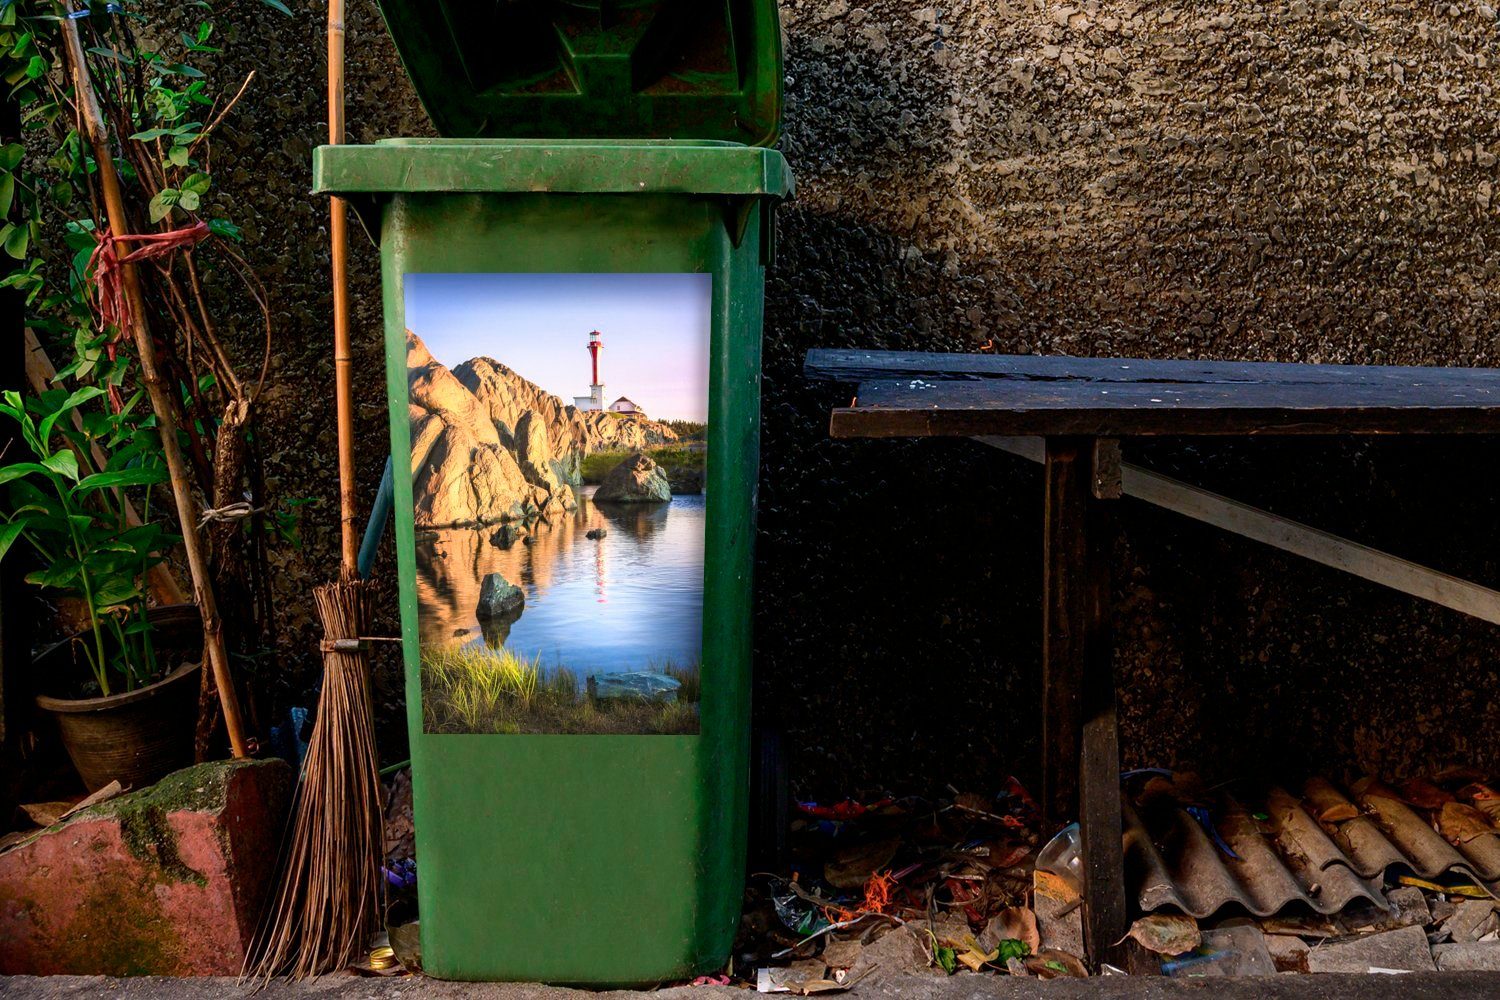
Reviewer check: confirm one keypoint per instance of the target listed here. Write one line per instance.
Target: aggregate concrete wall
(1301, 181)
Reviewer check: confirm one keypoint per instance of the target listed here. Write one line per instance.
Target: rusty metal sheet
(1322, 850)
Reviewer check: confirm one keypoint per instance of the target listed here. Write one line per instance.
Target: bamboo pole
(343, 361)
(161, 399)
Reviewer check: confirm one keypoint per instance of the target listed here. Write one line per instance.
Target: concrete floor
(1424, 986)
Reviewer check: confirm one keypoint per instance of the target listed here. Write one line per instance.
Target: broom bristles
(328, 901)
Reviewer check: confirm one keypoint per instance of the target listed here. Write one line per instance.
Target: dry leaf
(1052, 964)
(1485, 799)
(1372, 787)
(1017, 923)
(1326, 804)
(45, 813)
(1424, 794)
(109, 791)
(1166, 933)
(1459, 823)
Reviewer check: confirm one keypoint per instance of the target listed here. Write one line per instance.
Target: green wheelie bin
(573, 281)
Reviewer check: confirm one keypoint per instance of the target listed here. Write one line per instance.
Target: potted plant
(121, 689)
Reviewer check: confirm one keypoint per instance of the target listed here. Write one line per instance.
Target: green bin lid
(647, 69)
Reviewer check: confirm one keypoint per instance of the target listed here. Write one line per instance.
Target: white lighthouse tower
(595, 399)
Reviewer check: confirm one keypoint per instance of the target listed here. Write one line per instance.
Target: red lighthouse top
(594, 344)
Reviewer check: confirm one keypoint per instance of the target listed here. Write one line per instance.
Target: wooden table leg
(1064, 605)
(1081, 761)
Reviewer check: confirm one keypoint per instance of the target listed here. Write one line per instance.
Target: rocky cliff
(508, 397)
(487, 445)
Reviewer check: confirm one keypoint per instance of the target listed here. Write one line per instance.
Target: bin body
(584, 858)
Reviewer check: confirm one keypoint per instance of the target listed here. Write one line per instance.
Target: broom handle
(343, 363)
(161, 401)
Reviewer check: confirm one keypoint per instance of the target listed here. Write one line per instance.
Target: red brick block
(167, 881)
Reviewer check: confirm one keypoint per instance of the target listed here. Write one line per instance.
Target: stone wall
(1298, 181)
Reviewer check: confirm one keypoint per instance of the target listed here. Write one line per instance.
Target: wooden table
(1070, 414)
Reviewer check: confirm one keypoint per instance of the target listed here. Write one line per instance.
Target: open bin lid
(640, 69)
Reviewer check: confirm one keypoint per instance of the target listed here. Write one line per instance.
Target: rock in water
(499, 597)
(505, 536)
(636, 480)
(634, 685)
(595, 533)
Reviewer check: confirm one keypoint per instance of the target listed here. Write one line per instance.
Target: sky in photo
(654, 328)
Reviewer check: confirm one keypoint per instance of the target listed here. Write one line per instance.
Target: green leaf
(1012, 948)
(9, 532)
(188, 201)
(11, 155)
(116, 592)
(226, 229)
(122, 477)
(76, 398)
(161, 205)
(197, 183)
(37, 68)
(59, 574)
(278, 6)
(17, 240)
(19, 469)
(64, 463)
(947, 958)
(7, 192)
(177, 156)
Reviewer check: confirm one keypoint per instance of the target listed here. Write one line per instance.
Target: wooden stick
(40, 373)
(161, 398)
(1283, 533)
(343, 361)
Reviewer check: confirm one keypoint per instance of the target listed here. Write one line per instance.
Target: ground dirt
(1437, 986)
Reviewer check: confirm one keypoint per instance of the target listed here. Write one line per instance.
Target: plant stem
(161, 398)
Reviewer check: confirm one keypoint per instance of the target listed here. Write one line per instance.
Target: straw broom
(329, 900)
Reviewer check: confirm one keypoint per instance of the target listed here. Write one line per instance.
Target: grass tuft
(474, 689)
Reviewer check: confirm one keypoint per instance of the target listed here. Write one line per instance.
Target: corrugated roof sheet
(1322, 850)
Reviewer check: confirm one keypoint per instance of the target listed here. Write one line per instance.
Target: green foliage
(678, 464)
(76, 522)
(688, 430)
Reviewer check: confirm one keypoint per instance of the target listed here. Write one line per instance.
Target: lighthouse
(595, 399)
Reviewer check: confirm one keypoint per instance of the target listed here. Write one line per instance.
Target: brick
(165, 881)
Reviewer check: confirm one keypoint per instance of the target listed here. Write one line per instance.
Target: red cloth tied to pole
(108, 267)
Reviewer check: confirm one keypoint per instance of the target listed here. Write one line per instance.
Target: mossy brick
(165, 881)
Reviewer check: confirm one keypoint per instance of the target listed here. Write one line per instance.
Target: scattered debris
(1166, 933)
(1236, 949)
(1402, 950)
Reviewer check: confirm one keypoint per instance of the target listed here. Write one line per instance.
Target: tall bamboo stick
(161, 399)
(343, 362)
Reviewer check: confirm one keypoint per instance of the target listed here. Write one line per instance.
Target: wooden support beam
(1080, 738)
(1282, 533)
(1064, 625)
(1100, 827)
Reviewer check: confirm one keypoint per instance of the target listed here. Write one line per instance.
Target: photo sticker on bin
(558, 452)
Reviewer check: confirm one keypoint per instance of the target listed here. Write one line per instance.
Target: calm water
(629, 601)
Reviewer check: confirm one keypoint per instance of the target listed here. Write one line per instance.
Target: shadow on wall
(1131, 201)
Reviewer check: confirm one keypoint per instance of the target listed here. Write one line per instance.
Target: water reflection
(630, 600)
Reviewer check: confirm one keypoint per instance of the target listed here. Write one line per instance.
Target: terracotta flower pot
(137, 736)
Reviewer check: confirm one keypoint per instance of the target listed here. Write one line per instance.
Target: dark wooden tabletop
(901, 394)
